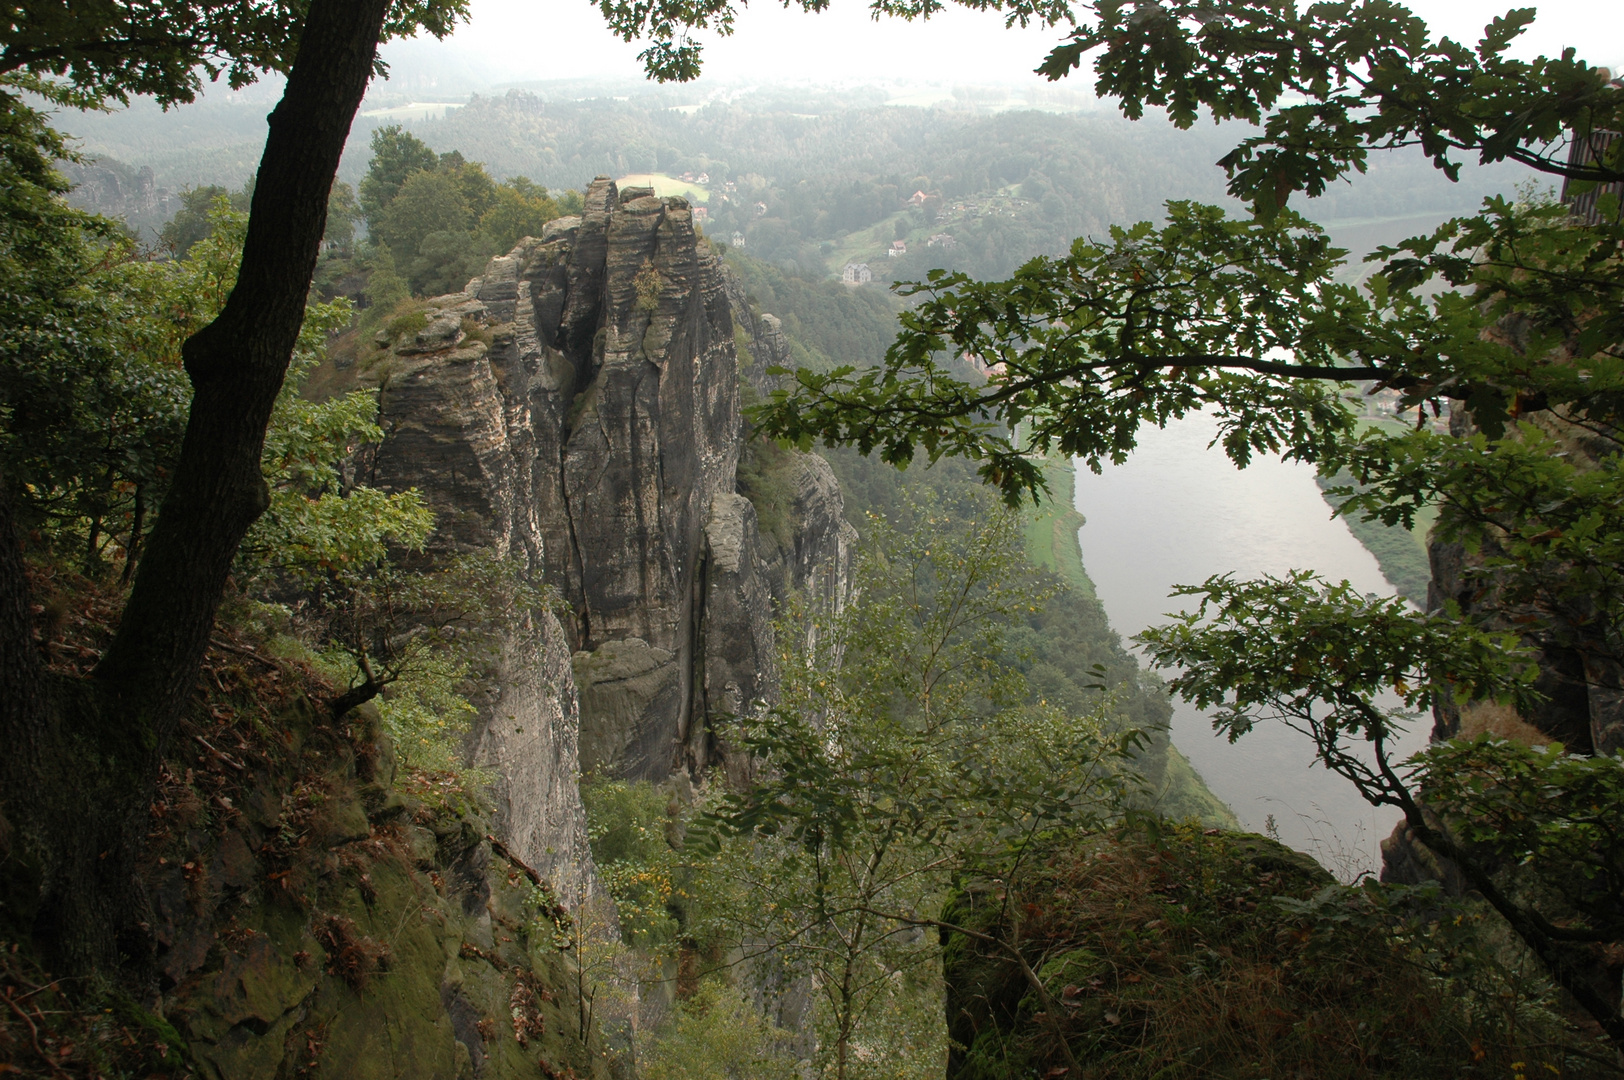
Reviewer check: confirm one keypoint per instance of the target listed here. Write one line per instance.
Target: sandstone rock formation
(116, 190)
(577, 409)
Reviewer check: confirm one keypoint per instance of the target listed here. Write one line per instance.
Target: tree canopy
(436, 218)
(1510, 320)
(1331, 82)
(114, 49)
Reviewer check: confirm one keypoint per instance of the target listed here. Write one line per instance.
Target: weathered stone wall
(460, 436)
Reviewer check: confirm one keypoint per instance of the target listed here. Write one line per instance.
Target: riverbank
(1178, 512)
(1052, 543)
(1401, 553)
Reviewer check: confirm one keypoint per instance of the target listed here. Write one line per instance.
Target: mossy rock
(337, 926)
(1272, 856)
(1166, 952)
(1072, 968)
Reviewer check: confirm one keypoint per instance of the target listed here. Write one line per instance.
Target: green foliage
(631, 827)
(94, 399)
(1173, 951)
(674, 55)
(827, 324)
(396, 154)
(429, 226)
(426, 711)
(1145, 329)
(1400, 552)
(1065, 648)
(1550, 531)
(764, 477)
(385, 290)
(1246, 318)
(318, 525)
(95, 404)
(518, 209)
(342, 213)
(441, 217)
(335, 544)
(1330, 83)
(195, 218)
(717, 1035)
(648, 284)
(1313, 655)
(1314, 658)
(416, 633)
(1558, 817)
(118, 50)
(901, 753)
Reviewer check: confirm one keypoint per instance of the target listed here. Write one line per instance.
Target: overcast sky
(513, 40)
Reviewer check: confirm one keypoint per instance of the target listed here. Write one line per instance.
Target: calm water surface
(1177, 513)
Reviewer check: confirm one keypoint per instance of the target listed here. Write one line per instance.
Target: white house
(856, 274)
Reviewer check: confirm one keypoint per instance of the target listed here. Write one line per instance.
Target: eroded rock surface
(324, 917)
(578, 409)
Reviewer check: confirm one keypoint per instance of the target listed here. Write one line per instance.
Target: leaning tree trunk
(81, 757)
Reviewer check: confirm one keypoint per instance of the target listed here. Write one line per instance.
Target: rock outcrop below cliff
(318, 916)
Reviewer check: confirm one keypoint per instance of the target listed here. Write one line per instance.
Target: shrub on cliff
(902, 752)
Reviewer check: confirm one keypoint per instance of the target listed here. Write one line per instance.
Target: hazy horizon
(507, 41)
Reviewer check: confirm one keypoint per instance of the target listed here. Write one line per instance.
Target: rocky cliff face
(318, 916)
(112, 188)
(578, 409)
(1581, 677)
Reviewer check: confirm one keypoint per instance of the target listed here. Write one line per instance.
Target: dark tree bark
(236, 364)
(81, 757)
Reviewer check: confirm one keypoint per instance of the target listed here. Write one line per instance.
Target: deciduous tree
(901, 756)
(71, 844)
(1243, 317)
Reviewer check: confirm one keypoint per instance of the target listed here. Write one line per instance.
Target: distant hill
(809, 180)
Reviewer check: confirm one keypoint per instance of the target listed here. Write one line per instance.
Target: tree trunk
(236, 365)
(81, 758)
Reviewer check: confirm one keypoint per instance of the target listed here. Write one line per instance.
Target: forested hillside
(1067, 649)
(813, 180)
(537, 586)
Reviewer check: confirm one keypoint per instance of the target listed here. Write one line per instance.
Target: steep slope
(575, 412)
(315, 909)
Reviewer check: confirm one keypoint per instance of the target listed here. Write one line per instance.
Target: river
(1178, 512)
